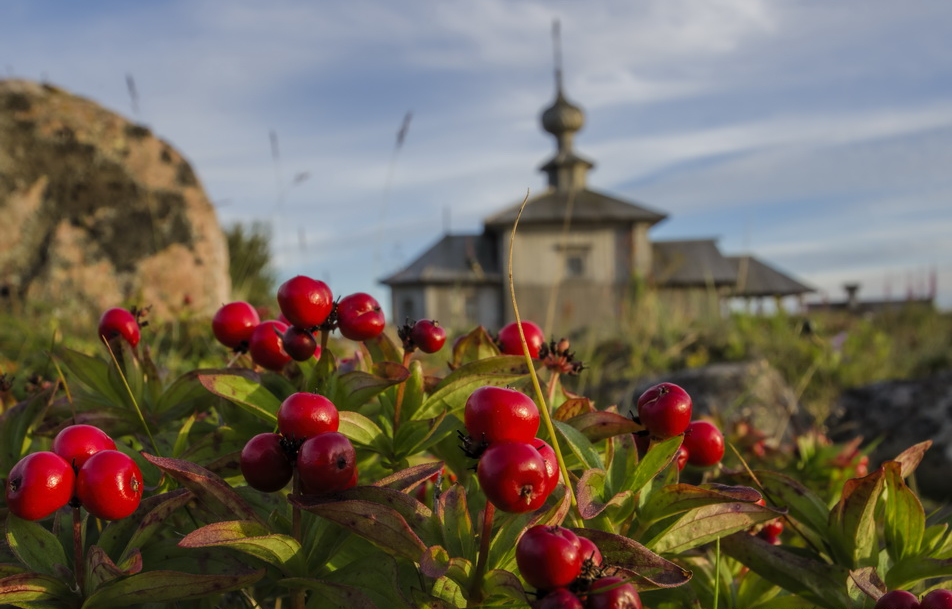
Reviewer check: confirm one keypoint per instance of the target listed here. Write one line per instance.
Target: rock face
(900, 414)
(98, 212)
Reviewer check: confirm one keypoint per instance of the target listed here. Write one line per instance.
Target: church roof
(757, 278)
(451, 260)
(691, 263)
(588, 207)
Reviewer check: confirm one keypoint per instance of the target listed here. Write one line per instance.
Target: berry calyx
(704, 443)
(39, 484)
(510, 343)
(359, 317)
(428, 336)
(897, 599)
(77, 443)
(267, 347)
(665, 411)
(234, 323)
(109, 485)
(326, 462)
(549, 557)
(119, 322)
(513, 477)
(494, 414)
(305, 302)
(265, 463)
(304, 415)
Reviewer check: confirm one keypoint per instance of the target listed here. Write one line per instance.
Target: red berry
(119, 322)
(897, 599)
(773, 528)
(428, 335)
(300, 344)
(233, 324)
(590, 551)
(704, 443)
(303, 415)
(305, 302)
(109, 485)
(510, 342)
(494, 414)
(77, 443)
(512, 475)
(622, 596)
(551, 464)
(39, 484)
(681, 457)
(264, 463)
(939, 598)
(665, 410)
(267, 347)
(548, 557)
(560, 598)
(359, 317)
(326, 462)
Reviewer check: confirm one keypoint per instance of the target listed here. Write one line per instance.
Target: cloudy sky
(814, 134)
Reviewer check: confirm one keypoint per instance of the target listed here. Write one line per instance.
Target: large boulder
(98, 212)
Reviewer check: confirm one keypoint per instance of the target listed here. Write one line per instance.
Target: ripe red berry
(233, 324)
(326, 462)
(681, 457)
(119, 322)
(510, 342)
(264, 463)
(109, 485)
(773, 528)
(267, 347)
(551, 464)
(494, 414)
(549, 557)
(305, 302)
(590, 551)
(560, 598)
(897, 599)
(304, 415)
(428, 335)
(300, 344)
(665, 410)
(77, 443)
(704, 443)
(512, 475)
(359, 317)
(606, 593)
(939, 598)
(39, 484)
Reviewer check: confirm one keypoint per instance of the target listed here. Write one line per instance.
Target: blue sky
(814, 134)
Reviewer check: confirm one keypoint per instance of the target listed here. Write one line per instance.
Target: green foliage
(249, 263)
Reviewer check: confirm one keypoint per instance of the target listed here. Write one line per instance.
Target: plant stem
(79, 564)
(297, 594)
(400, 391)
(550, 390)
(485, 537)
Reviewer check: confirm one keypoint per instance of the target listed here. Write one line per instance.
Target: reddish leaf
(409, 478)
(910, 458)
(647, 570)
(601, 425)
(166, 586)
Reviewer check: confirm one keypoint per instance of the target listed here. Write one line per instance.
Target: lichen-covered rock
(96, 211)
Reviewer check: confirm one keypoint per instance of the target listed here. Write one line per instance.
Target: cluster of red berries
(307, 440)
(427, 335)
(307, 306)
(665, 411)
(901, 599)
(118, 322)
(566, 569)
(516, 470)
(84, 469)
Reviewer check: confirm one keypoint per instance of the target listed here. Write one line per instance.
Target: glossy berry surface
(495, 414)
(77, 443)
(359, 317)
(512, 475)
(38, 485)
(264, 463)
(300, 344)
(267, 345)
(937, 599)
(326, 462)
(665, 410)
(109, 485)
(897, 599)
(590, 551)
(615, 597)
(305, 302)
(233, 324)
(560, 598)
(510, 343)
(681, 457)
(119, 322)
(704, 443)
(303, 415)
(428, 335)
(551, 464)
(549, 557)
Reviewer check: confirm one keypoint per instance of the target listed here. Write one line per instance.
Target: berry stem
(485, 537)
(400, 391)
(79, 563)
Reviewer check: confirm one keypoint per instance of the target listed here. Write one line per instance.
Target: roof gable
(452, 259)
(690, 263)
(588, 207)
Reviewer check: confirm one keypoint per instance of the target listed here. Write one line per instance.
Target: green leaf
(905, 518)
(475, 346)
(412, 436)
(35, 547)
(356, 388)
(187, 390)
(908, 571)
(92, 372)
(166, 586)
(865, 586)
(453, 515)
(852, 528)
(374, 575)
(362, 431)
(435, 562)
(647, 570)
(281, 551)
(100, 568)
(676, 498)
(707, 523)
(381, 348)
(409, 478)
(590, 493)
(209, 488)
(819, 583)
(658, 457)
(499, 583)
(331, 595)
(452, 392)
(600, 425)
(135, 531)
(801, 503)
(16, 422)
(28, 587)
(579, 445)
(414, 392)
(248, 393)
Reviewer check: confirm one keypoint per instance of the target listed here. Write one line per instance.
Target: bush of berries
(328, 462)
